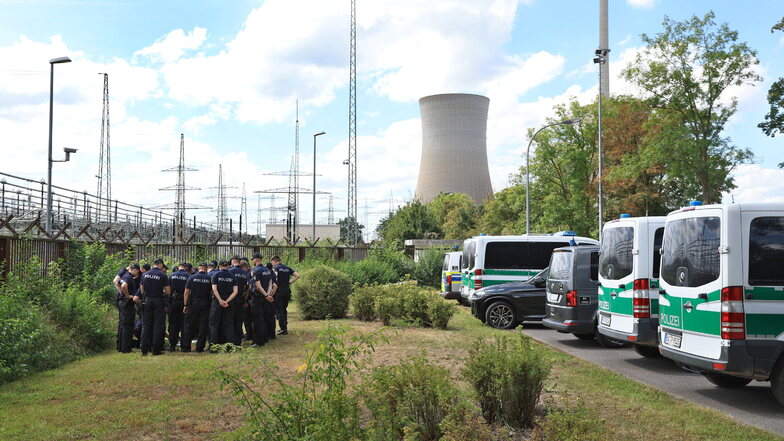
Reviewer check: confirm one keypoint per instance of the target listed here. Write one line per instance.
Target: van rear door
(690, 312)
(616, 264)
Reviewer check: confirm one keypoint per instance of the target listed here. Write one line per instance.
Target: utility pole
(243, 212)
(351, 213)
(179, 189)
(104, 158)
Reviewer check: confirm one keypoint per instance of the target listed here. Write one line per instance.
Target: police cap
(146, 267)
(257, 256)
(223, 263)
(203, 264)
(158, 261)
(134, 266)
(213, 263)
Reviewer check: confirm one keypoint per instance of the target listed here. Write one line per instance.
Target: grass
(115, 396)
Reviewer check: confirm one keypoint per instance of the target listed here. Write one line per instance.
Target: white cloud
(642, 4)
(174, 45)
(757, 184)
(625, 41)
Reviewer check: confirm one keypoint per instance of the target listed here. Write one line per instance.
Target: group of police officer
(213, 301)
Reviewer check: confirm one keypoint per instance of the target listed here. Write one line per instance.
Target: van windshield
(519, 255)
(690, 252)
(615, 259)
(468, 254)
(560, 265)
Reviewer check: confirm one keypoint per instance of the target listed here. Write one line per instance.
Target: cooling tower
(454, 146)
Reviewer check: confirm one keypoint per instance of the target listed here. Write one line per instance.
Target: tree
(345, 223)
(504, 212)
(774, 120)
(457, 214)
(685, 72)
(411, 221)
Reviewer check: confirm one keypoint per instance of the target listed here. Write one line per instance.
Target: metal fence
(18, 251)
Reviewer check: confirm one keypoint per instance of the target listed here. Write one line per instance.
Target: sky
(230, 75)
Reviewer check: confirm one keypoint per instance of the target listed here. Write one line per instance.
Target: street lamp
(314, 182)
(48, 223)
(600, 58)
(528, 169)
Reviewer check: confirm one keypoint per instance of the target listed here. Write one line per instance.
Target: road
(753, 405)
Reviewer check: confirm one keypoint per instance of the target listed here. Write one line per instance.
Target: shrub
(415, 302)
(427, 270)
(84, 318)
(507, 376)
(388, 308)
(410, 401)
(440, 311)
(369, 271)
(363, 302)
(318, 405)
(323, 293)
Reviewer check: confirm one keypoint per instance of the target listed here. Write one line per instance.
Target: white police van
(721, 308)
(491, 260)
(629, 281)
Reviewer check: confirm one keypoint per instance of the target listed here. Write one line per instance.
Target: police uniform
(197, 318)
(154, 283)
(238, 304)
(248, 317)
(259, 302)
(178, 280)
(283, 295)
(221, 319)
(127, 313)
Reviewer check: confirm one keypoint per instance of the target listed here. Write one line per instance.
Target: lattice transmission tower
(104, 175)
(351, 213)
(179, 189)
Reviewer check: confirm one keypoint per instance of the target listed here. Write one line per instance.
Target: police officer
(246, 307)
(126, 307)
(178, 280)
(212, 268)
(154, 287)
(269, 310)
(262, 288)
(286, 277)
(224, 290)
(238, 304)
(117, 282)
(198, 292)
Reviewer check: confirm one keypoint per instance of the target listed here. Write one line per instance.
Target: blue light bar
(625, 215)
(695, 203)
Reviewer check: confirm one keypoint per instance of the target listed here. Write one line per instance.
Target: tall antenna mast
(258, 215)
(179, 189)
(243, 212)
(331, 213)
(221, 212)
(105, 158)
(351, 213)
(295, 220)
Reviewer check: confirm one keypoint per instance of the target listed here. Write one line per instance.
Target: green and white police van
(629, 281)
(491, 260)
(721, 308)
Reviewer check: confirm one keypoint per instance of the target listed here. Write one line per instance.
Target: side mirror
(538, 282)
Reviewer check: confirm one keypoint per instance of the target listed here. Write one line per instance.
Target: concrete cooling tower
(454, 146)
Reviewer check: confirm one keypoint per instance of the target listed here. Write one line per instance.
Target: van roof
(533, 238)
(745, 206)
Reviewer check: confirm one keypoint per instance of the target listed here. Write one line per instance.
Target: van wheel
(726, 381)
(648, 351)
(777, 381)
(606, 341)
(501, 315)
(584, 336)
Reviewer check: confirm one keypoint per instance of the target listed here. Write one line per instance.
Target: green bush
(323, 292)
(440, 311)
(369, 271)
(415, 302)
(427, 270)
(363, 302)
(28, 341)
(507, 376)
(410, 401)
(388, 308)
(84, 317)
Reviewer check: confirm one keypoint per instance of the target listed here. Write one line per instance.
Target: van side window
(595, 266)
(657, 241)
(766, 251)
(511, 255)
(445, 266)
(690, 254)
(616, 253)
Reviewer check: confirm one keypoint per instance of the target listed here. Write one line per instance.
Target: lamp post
(314, 182)
(48, 223)
(528, 169)
(600, 58)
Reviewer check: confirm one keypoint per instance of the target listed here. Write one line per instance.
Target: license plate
(673, 340)
(605, 319)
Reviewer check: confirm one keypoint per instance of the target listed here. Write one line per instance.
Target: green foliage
(411, 221)
(457, 213)
(685, 71)
(317, 406)
(88, 266)
(85, 318)
(323, 292)
(411, 401)
(440, 312)
(28, 341)
(427, 271)
(363, 303)
(507, 377)
(368, 271)
(574, 424)
(388, 308)
(345, 223)
(504, 212)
